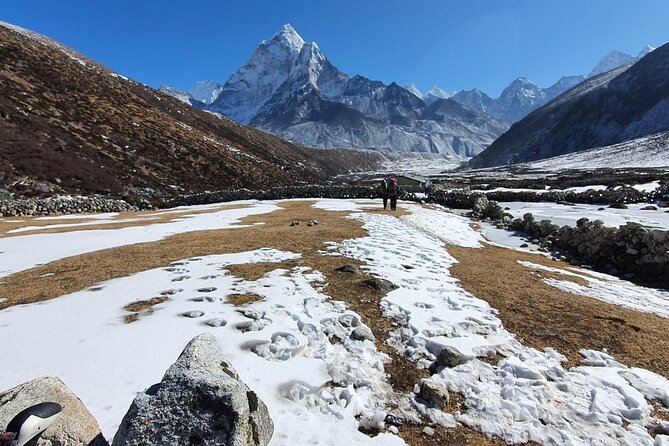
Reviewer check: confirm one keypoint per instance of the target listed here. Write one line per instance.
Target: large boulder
(200, 401)
(74, 427)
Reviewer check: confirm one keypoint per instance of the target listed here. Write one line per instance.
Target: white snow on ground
(105, 216)
(649, 151)
(568, 215)
(610, 289)
(505, 237)
(283, 353)
(23, 252)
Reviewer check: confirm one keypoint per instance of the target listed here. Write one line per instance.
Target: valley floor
(549, 353)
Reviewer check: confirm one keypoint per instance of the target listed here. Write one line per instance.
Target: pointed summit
(288, 36)
(646, 49)
(413, 89)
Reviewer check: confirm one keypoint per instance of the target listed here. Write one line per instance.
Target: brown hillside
(70, 122)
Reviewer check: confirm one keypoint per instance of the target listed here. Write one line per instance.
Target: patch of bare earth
(240, 300)
(142, 308)
(543, 316)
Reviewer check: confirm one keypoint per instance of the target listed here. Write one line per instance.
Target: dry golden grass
(240, 300)
(142, 308)
(544, 316)
(254, 271)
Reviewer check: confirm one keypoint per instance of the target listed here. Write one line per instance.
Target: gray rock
(433, 391)
(383, 285)
(74, 427)
(199, 401)
(648, 208)
(362, 333)
(450, 357)
(295, 223)
(348, 269)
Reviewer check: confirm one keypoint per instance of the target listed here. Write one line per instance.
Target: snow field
(278, 346)
(609, 289)
(568, 215)
(27, 251)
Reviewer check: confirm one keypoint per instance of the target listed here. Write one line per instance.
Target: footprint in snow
(216, 322)
(282, 347)
(171, 292)
(180, 278)
(206, 299)
(213, 276)
(207, 289)
(193, 314)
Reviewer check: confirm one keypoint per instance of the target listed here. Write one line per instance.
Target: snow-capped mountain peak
(413, 89)
(206, 91)
(612, 60)
(645, 50)
(440, 93)
(289, 37)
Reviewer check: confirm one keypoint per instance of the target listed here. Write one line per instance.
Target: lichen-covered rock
(75, 426)
(199, 401)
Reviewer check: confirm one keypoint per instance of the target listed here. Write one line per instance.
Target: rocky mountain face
(291, 89)
(616, 59)
(517, 100)
(71, 125)
(623, 104)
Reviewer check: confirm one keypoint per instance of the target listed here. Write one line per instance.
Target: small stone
(524, 245)
(434, 392)
(312, 223)
(295, 223)
(428, 431)
(648, 208)
(382, 285)
(393, 430)
(362, 333)
(348, 269)
(450, 357)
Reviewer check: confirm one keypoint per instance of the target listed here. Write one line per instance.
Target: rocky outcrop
(74, 427)
(199, 401)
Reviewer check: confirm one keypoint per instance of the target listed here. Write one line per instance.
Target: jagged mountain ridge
(70, 122)
(522, 96)
(626, 103)
(289, 87)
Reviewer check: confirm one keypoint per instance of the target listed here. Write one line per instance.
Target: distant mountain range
(291, 89)
(624, 104)
(73, 126)
(523, 96)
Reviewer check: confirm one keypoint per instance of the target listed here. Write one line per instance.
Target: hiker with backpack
(384, 192)
(393, 193)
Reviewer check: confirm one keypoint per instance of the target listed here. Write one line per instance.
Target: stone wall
(15, 207)
(631, 251)
(278, 193)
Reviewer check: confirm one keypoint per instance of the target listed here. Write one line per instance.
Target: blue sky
(453, 44)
